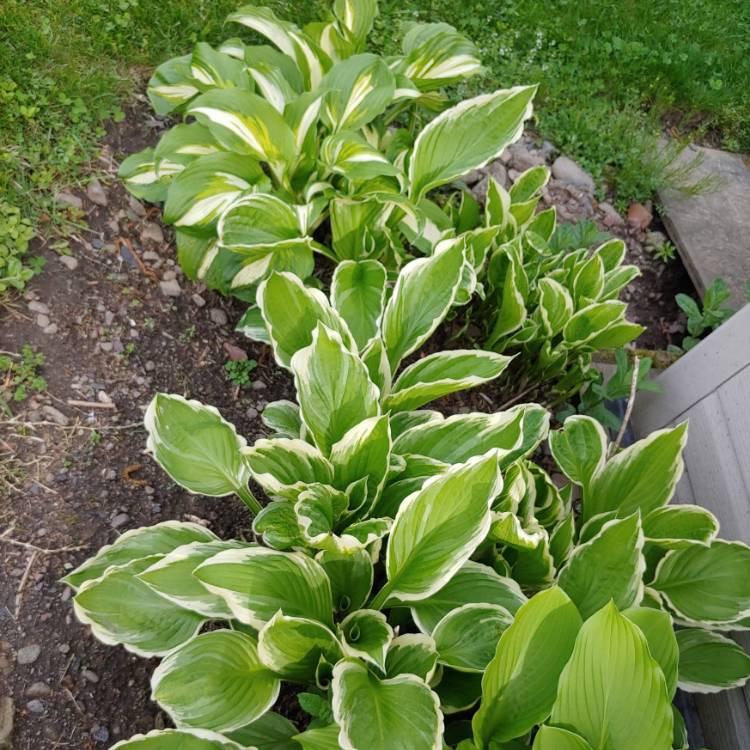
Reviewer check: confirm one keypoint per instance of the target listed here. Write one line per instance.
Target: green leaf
(472, 583)
(122, 610)
(279, 526)
(424, 292)
(270, 732)
(215, 681)
(366, 635)
(172, 85)
(200, 450)
(466, 637)
(411, 653)
(612, 692)
(258, 582)
(589, 322)
(512, 307)
(138, 172)
(292, 647)
(438, 528)
(458, 691)
(323, 738)
(555, 305)
(214, 69)
(159, 539)
(710, 662)
(358, 293)
(641, 477)
(442, 373)
(276, 75)
(609, 567)
(384, 714)
(333, 388)
(520, 683)
(172, 578)
(261, 220)
(579, 448)
(656, 626)
(283, 417)
(677, 526)
(177, 739)
(350, 572)
(706, 584)
(467, 137)
(554, 738)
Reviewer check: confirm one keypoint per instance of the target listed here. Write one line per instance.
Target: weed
(703, 317)
(584, 233)
(20, 376)
(188, 334)
(665, 252)
(238, 371)
(15, 233)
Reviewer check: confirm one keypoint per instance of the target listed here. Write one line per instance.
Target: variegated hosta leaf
(159, 539)
(172, 577)
(271, 731)
(318, 510)
(411, 653)
(579, 448)
(199, 449)
(202, 259)
(333, 388)
(321, 738)
(358, 293)
(215, 681)
(630, 708)
(675, 526)
(608, 568)
(138, 172)
(292, 647)
(181, 146)
(466, 637)
(355, 18)
(587, 325)
(458, 691)
(349, 154)
(172, 85)
(358, 90)
(520, 683)
(122, 610)
(438, 528)
(468, 136)
(246, 124)
(351, 574)
(706, 584)
(278, 525)
(710, 662)
(200, 193)
(275, 74)
(424, 292)
(442, 373)
(555, 306)
(436, 55)
(283, 417)
(366, 635)
(292, 311)
(554, 738)
(310, 59)
(215, 69)
(384, 714)
(473, 583)
(177, 739)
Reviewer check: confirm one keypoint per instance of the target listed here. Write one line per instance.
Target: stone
(69, 262)
(611, 216)
(55, 415)
(168, 276)
(639, 216)
(198, 301)
(38, 307)
(136, 206)
(96, 193)
(99, 733)
(170, 288)
(28, 654)
(38, 690)
(251, 412)
(566, 170)
(68, 199)
(120, 520)
(42, 320)
(6, 722)
(711, 230)
(152, 232)
(471, 178)
(218, 316)
(150, 365)
(50, 329)
(90, 676)
(259, 385)
(498, 172)
(36, 706)
(522, 158)
(655, 239)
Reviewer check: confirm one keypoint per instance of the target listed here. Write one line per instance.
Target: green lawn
(610, 72)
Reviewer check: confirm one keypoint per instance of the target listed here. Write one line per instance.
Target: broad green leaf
(411, 653)
(261, 220)
(554, 738)
(555, 305)
(172, 577)
(579, 448)
(641, 477)
(405, 420)
(159, 539)
(466, 637)
(318, 510)
(355, 18)
(351, 154)
(588, 282)
(472, 583)
(706, 584)
(200, 450)
(467, 137)
(215, 69)
(508, 530)
(172, 85)
(323, 738)
(333, 388)
(358, 293)
(138, 172)
(275, 74)
(350, 572)
(292, 647)
(284, 467)
(283, 417)
(215, 681)
(438, 528)
(279, 526)
(676, 526)
(400, 713)
(529, 184)
(271, 731)
(589, 322)
(366, 635)
(533, 567)
(710, 662)
(656, 626)
(258, 582)
(178, 739)
(512, 307)
(520, 683)
(442, 373)
(610, 567)
(629, 708)
(183, 144)
(291, 312)
(122, 610)
(679, 733)
(458, 691)
(424, 292)
(202, 259)
(375, 359)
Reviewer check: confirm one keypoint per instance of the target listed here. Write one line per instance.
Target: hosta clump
(294, 149)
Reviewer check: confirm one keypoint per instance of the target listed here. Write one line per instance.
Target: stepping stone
(712, 230)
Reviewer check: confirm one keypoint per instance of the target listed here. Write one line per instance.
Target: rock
(42, 320)
(521, 158)
(96, 193)
(611, 217)
(498, 172)
(567, 170)
(639, 217)
(69, 262)
(38, 690)
(64, 648)
(548, 150)
(50, 329)
(90, 676)
(105, 346)
(103, 397)
(218, 316)
(99, 733)
(152, 232)
(471, 178)
(234, 352)
(150, 365)
(68, 199)
(6, 722)
(198, 301)
(655, 239)
(56, 416)
(259, 385)
(36, 706)
(151, 256)
(28, 654)
(170, 288)
(136, 206)
(251, 412)
(168, 276)
(479, 191)
(120, 520)
(38, 307)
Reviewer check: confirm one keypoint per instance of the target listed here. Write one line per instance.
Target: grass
(611, 74)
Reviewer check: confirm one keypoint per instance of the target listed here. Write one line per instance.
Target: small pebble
(150, 365)
(28, 654)
(38, 307)
(90, 675)
(170, 288)
(96, 193)
(120, 520)
(198, 301)
(100, 734)
(51, 329)
(42, 320)
(218, 316)
(259, 385)
(36, 706)
(38, 690)
(69, 262)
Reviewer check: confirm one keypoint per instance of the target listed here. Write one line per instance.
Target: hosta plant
(296, 148)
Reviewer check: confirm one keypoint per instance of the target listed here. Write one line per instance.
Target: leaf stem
(379, 600)
(249, 499)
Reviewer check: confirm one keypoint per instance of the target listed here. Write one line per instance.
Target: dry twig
(629, 409)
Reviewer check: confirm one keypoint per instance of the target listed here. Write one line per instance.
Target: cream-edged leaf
(178, 739)
(358, 293)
